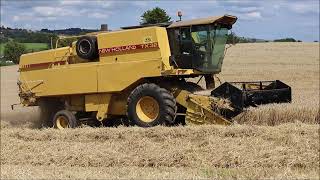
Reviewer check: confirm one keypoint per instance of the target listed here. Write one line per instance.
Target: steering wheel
(199, 45)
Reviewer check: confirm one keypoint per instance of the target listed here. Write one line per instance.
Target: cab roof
(225, 19)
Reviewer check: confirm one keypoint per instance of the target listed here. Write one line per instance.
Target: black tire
(87, 47)
(48, 108)
(166, 105)
(68, 117)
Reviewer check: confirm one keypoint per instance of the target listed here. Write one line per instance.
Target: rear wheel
(149, 105)
(64, 119)
(48, 108)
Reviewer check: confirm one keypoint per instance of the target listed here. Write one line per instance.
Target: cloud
(98, 15)
(255, 17)
(245, 10)
(105, 4)
(27, 4)
(72, 2)
(140, 3)
(24, 16)
(254, 14)
(28, 17)
(44, 11)
(16, 18)
(304, 8)
(248, 16)
(240, 3)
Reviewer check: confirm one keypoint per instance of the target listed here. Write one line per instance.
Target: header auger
(140, 74)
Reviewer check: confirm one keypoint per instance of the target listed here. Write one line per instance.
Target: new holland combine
(140, 73)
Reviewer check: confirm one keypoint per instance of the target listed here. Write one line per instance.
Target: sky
(262, 19)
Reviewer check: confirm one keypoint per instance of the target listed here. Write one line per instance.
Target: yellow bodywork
(63, 78)
(53, 73)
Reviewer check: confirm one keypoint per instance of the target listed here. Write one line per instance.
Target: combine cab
(139, 73)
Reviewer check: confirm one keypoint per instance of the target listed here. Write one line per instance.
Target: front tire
(65, 119)
(149, 105)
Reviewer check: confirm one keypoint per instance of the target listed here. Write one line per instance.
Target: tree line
(25, 36)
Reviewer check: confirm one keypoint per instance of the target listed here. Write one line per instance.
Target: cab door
(186, 48)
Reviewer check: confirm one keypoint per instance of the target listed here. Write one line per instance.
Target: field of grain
(272, 141)
(296, 64)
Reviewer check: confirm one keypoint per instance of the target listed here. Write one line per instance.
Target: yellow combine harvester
(140, 73)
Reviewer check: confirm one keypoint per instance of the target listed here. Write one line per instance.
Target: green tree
(66, 42)
(154, 16)
(232, 38)
(285, 40)
(13, 50)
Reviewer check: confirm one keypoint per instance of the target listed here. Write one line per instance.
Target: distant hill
(233, 38)
(69, 31)
(25, 36)
(42, 36)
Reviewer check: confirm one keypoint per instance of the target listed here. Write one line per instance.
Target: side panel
(87, 77)
(61, 80)
(163, 42)
(124, 46)
(118, 76)
(44, 59)
(129, 55)
(72, 79)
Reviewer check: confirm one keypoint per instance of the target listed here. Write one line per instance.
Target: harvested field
(242, 151)
(273, 141)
